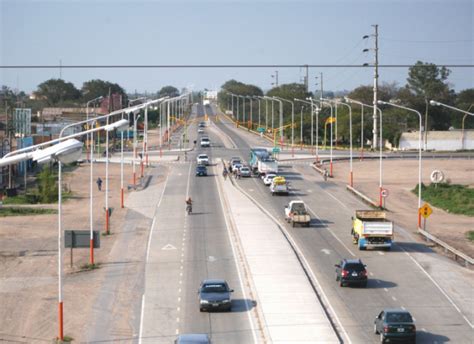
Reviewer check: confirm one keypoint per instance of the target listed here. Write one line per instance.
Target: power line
(190, 66)
(426, 41)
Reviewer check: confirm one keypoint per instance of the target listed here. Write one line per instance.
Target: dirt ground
(400, 177)
(28, 260)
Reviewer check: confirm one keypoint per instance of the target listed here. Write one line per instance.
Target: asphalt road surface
(184, 250)
(395, 278)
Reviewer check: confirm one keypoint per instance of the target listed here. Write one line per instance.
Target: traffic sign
(261, 130)
(276, 150)
(384, 193)
(425, 210)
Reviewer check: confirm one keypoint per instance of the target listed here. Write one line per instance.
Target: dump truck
(262, 162)
(370, 228)
(279, 186)
(296, 213)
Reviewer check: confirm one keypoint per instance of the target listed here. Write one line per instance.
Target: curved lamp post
(292, 123)
(328, 102)
(419, 151)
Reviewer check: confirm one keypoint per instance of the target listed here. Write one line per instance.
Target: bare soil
(399, 178)
(28, 261)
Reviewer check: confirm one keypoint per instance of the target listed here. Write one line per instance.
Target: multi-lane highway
(396, 279)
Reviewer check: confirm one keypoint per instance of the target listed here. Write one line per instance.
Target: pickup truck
(296, 213)
(279, 186)
(370, 228)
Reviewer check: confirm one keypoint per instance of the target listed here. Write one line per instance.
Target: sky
(114, 32)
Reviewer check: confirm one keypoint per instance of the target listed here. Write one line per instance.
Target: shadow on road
(399, 246)
(243, 305)
(427, 337)
(377, 283)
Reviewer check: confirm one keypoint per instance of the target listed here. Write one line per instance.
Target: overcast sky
(231, 32)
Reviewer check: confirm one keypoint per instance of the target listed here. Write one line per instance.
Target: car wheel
(201, 310)
(341, 284)
(375, 329)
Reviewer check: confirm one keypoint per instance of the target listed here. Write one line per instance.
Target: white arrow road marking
(169, 247)
(211, 259)
(326, 251)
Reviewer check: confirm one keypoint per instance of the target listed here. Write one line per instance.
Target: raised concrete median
(287, 301)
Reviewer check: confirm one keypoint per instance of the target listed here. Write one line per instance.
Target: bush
(47, 186)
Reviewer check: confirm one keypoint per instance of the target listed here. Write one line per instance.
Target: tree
(428, 81)
(55, 91)
(169, 91)
(95, 88)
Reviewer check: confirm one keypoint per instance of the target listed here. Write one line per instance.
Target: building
(451, 140)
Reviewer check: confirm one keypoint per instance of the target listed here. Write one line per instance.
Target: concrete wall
(451, 140)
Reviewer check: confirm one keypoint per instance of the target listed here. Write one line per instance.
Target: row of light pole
(67, 149)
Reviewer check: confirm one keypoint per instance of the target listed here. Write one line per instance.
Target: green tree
(47, 186)
(169, 91)
(55, 91)
(95, 88)
(428, 81)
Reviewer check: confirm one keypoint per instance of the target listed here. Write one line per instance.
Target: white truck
(370, 228)
(296, 213)
(268, 166)
(279, 186)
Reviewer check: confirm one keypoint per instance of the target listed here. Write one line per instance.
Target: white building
(451, 140)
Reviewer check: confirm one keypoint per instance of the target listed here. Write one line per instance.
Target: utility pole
(321, 77)
(276, 79)
(376, 85)
(306, 83)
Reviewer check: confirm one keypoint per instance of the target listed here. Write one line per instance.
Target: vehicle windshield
(399, 317)
(214, 288)
(203, 157)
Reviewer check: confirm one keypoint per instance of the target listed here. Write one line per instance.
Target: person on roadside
(99, 183)
(224, 173)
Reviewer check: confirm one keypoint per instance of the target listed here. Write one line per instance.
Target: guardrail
(447, 248)
(468, 261)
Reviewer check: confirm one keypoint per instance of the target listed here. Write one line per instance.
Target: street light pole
(419, 151)
(328, 102)
(281, 119)
(361, 124)
(91, 142)
(292, 123)
(301, 128)
(351, 176)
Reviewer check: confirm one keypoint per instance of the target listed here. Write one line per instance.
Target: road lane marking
(380, 253)
(142, 313)
(330, 231)
(438, 286)
(326, 251)
(232, 245)
(141, 320)
(394, 298)
(385, 289)
(306, 264)
(168, 247)
(371, 274)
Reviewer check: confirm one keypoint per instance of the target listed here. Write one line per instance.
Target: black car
(214, 294)
(351, 271)
(395, 325)
(201, 170)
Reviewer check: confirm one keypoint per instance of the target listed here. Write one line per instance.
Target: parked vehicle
(214, 294)
(267, 179)
(202, 159)
(261, 161)
(296, 213)
(395, 324)
(351, 271)
(201, 170)
(279, 186)
(245, 172)
(370, 228)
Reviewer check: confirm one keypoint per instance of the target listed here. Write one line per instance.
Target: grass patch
(470, 235)
(34, 198)
(66, 339)
(88, 267)
(453, 198)
(25, 211)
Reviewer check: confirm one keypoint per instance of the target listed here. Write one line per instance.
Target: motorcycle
(189, 209)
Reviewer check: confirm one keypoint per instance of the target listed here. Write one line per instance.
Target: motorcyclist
(189, 205)
(224, 173)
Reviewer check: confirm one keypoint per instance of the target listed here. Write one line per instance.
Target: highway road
(183, 250)
(396, 279)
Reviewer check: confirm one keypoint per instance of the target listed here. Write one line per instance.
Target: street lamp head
(381, 102)
(365, 50)
(434, 103)
(66, 152)
(119, 125)
(365, 65)
(365, 37)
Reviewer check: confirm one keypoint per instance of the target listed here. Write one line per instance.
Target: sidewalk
(290, 307)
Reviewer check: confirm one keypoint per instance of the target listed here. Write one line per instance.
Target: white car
(200, 130)
(267, 180)
(205, 142)
(202, 159)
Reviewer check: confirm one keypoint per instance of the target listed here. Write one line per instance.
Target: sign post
(425, 211)
(80, 239)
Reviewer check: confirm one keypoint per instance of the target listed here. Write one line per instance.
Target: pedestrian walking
(99, 184)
